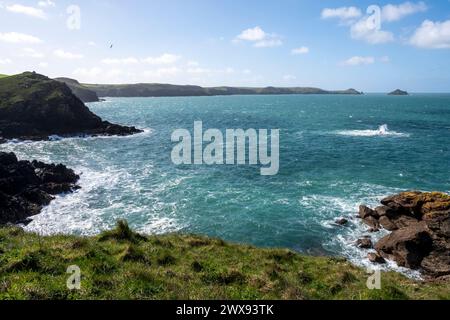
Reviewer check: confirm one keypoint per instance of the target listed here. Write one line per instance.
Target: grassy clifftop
(3, 76)
(121, 264)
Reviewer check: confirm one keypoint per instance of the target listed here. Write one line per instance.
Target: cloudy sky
(369, 45)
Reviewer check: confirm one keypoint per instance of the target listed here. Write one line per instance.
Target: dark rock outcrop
(375, 258)
(26, 187)
(364, 243)
(420, 225)
(34, 107)
(341, 222)
(398, 92)
(83, 93)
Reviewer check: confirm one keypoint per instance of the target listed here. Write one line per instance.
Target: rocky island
(398, 92)
(34, 107)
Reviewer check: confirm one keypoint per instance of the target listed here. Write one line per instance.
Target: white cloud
(432, 35)
(269, 43)
(358, 60)
(164, 59)
(124, 61)
(301, 50)
(252, 34)
(289, 77)
(342, 13)
(392, 12)
(362, 30)
(32, 53)
(385, 59)
(46, 3)
(29, 11)
(259, 37)
(92, 44)
(15, 37)
(5, 61)
(43, 64)
(88, 73)
(198, 70)
(193, 64)
(246, 71)
(67, 55)
(163, 72)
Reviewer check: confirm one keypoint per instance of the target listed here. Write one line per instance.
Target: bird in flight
(111, 46)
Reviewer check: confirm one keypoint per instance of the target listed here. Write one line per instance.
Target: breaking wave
(382, 131)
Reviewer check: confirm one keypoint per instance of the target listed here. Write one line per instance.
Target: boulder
(364, 243)
(437, 264)
(375, 258)
(420, 225)
(387, 223)
(439, 223)
(365, 212)
(407, 246)
(341, 222)
(372, 223)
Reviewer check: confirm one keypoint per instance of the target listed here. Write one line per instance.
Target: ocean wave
(342, 240)
(57, 138)
(382, 131)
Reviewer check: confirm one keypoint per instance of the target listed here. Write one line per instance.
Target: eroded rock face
(25, 187)
(407, 246)
(420, 225)
(34, 107)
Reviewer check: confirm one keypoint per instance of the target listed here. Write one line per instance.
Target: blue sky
(327, 44)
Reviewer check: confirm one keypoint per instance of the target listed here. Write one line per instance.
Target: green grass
(121, 264)
(3, 76)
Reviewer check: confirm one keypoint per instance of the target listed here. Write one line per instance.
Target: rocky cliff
(420, 226)
(83, 93)
(35, 107)
(26, 187)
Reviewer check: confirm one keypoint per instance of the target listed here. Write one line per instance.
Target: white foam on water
(328, 209)
(382, 131)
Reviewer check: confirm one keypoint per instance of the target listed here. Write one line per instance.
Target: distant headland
(34, 107)
(91, 92)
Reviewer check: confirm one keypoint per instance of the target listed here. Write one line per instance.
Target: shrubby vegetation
(121, 264)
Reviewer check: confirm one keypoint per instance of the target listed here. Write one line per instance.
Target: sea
(336, 153)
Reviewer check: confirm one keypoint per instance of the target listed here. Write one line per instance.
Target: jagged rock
(364, 243)
(372, 223)
(439, 223)
(341, 222)
(375, 258)
(387, 223)
(437, 264)
(25, 187)
(421, 230)
(407, 246)
(365, 212)
(386, 211)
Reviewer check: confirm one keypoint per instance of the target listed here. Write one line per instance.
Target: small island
(399, 92)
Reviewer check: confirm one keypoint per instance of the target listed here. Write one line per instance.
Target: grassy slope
(122, 265)
(3, 76)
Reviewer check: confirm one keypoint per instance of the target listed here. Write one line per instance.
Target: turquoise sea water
(336, 152)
